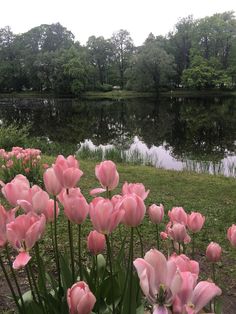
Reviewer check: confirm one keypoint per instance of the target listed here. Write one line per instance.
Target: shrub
(13, 135)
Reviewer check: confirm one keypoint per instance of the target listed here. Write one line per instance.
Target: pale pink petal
(96, 191)
(21, 260)
(203, 293)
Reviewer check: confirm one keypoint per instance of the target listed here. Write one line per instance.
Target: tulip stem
(51, 231)
(213, 303)
(111, 272)
(179, 247)
(214, 272)
(70, 233)
(30, 283)
(40, 269)
(14, 277)
(141, 241)
(131, 269)
(193, 245)
(10, 285)
(79, 251)
(157, 235)
(56, 245)
(97, 284)
(36, 287)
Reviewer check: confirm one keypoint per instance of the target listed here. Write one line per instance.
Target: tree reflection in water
(197, 133)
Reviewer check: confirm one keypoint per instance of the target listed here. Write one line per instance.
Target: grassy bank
(174, 93)
(124, 94)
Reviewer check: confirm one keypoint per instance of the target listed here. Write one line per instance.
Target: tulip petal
(203, 293)
(21, 260)
(96, 191)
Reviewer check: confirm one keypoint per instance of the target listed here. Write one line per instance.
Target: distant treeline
(197, 54)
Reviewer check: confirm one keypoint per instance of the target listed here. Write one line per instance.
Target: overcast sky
(102, 17)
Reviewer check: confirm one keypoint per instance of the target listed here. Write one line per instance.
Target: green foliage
(205, 74)
(13, 135)
(105, 88)
(46, 58)
(152, 67)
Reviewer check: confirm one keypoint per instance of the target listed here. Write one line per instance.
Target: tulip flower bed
(132, 254)
(21, 161)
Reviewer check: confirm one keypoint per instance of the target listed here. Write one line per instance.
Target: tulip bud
(195, 222)
(135, 188)
(178, 214)
(134, 208)
(96, 242)
(213, 252)
(156, 213)
(51, 182)
(80, 299)
(179, 234)
(231, 235)
(107, 174)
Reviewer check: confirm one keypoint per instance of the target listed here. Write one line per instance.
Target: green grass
(175, 93)
(120, 94)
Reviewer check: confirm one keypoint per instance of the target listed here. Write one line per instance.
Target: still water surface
(196, 134)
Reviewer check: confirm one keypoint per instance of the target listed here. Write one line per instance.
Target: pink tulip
(5, 218)
(96, 242)
(195, 222)
(107, 175)
(202, 294)
(36, 200)
(159, 279)
(64, 192)
(182, 298)
(23, 233)
(49, 211)
(163, 235)
(76, 207)
(213, 252)
(156, 213)
(9, 163)
(104, 216)
(231, 235)
(192, 298)
(178, 233)
(52, 184)
(178, 214)
(67, 171)
(116, 199)
(80, 299)
(135, 188)
(184, 264)
(17, 189)
(134, 209)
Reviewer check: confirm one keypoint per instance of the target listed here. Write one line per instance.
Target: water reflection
(160, 157)
(190, 133)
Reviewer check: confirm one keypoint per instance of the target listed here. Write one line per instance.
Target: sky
(103, 17)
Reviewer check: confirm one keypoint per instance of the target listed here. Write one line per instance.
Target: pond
(196, 134)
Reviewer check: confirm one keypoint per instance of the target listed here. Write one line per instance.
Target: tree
(151, 67)
(214, 36)
(180, 43)
(100, 52)
(122, 48)
(205, 74)
(77, 69)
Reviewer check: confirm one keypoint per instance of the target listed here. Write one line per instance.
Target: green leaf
(140, 309)
(101, 265)
(66, 274)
